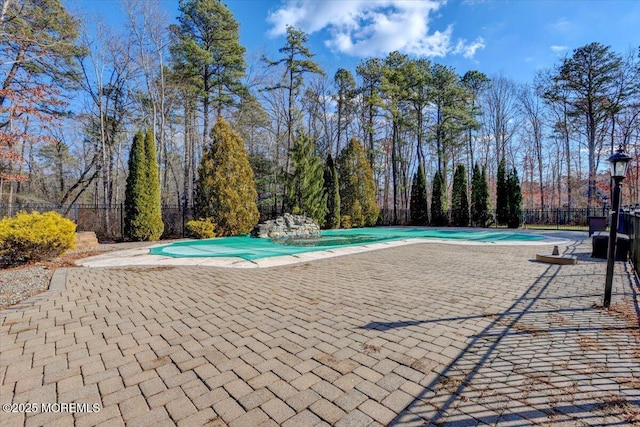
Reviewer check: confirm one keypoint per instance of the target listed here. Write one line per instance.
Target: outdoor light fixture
(619, 161)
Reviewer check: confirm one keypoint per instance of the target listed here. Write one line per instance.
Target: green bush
(35, 237)
(201, 229)
(345, 221)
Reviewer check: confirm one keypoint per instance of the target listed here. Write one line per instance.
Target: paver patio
(413, 335)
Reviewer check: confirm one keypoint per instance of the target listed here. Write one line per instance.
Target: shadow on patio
(555, 355)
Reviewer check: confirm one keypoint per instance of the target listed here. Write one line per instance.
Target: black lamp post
(619, 161)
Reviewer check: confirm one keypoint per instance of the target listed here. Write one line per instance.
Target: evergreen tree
(226, 193)
(459, 200)
(345, 103)
(207, 54)
(371, 74)
(418, 207)
(502, 194)
(439, 201)
(154, 205)
(514, 208)
(480, 209)
(40, 46)
(143, 216)
(134, 190)
(332, 192)
(306, 184)
(357, 187)
(487, 214)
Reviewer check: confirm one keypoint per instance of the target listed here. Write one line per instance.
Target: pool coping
(140, 257)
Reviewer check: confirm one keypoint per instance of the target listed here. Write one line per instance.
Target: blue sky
(514, 37)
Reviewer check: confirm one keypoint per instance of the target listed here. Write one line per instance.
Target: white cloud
(372, 27)
(558, 49)
(562, 25)
(468, 50)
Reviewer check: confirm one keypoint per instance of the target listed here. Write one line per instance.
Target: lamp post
(619, 161)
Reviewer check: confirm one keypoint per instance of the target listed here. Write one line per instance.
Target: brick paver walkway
(414, 335)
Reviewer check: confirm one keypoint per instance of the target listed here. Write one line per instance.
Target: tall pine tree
(439, 201)
(298, 61)
(459, 200)
(418, 208)
(306, 183)
(332, 192)
(226, 193)
(207, 54)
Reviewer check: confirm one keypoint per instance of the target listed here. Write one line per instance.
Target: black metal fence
(107, 221)
(560, 218)
(554, 219)
(630, 224)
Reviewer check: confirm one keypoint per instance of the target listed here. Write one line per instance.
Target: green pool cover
(250, 248)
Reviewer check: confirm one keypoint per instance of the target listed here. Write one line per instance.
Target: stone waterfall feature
(286, 227)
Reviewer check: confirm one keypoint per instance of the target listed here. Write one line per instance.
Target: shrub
(201, 229)
(345, 221)
(35, 237)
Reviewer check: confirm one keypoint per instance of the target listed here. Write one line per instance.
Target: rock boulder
(285, 227)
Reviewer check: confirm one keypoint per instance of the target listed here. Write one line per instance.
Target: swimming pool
(250, 248)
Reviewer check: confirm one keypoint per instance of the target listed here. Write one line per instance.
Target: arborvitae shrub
(143, 215)
(481, 215)
(439, 202)
(514, 206)
(155, 226)
(35, 237)
(502, 194)
(459, 199)
(418, 208)
(332, 191)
